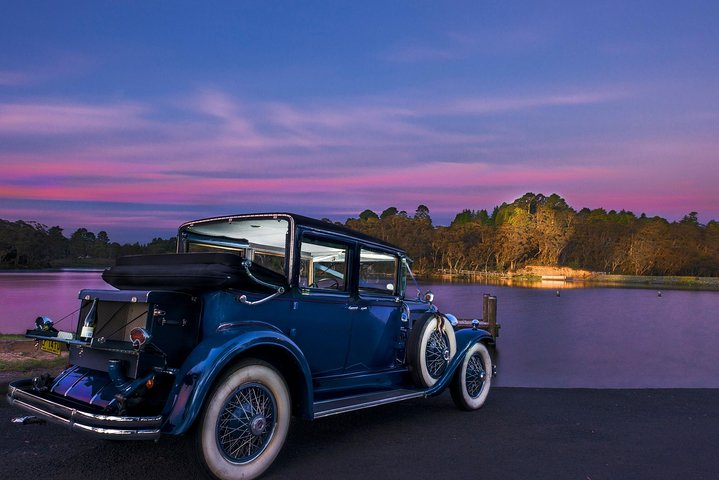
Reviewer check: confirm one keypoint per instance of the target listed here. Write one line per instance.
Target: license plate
(51, 346)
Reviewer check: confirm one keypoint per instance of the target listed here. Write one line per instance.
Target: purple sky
(132, 118)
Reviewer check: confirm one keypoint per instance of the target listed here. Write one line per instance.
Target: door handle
(355, 307)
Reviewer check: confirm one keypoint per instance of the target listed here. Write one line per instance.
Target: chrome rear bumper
(99, 426)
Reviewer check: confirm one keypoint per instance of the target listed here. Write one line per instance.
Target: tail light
(139, 337)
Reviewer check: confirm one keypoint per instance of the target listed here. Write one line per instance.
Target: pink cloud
(155, 186)
(62, 118)
(483, 106)
(96, 221)
(367, 152)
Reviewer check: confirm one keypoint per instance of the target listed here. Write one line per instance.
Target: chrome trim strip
(99, 392)
(73, 385)
(62, 376)
(360, 406)
(100, 426)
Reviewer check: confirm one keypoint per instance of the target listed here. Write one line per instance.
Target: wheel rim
(246, 423)
(475, 376)
(437, 353)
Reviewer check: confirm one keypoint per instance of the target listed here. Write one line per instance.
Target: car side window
(378, 272)
(323, 265)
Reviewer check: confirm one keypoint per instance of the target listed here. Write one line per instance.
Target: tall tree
(81, 242)
(368, 215)
(422, 213)
(388, 212)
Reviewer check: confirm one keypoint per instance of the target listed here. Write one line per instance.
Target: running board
(326, 408)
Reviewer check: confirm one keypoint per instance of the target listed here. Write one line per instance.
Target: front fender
(465, 340)
(206, 362)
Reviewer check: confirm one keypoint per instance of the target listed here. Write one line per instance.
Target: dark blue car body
(322, 310)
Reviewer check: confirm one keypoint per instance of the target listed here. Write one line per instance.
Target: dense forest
(544, 230)
(33, 245)
(532, 230)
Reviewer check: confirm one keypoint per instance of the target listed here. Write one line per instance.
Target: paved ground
(519, 434)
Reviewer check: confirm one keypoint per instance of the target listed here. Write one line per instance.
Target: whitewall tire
(244, 422)
(472, 381)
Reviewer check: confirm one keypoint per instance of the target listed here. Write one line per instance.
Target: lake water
(586, 337)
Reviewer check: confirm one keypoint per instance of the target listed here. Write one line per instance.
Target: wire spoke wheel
(437, 353)
(475, 376)
(430, 347)
(471, 383)
(246, 423)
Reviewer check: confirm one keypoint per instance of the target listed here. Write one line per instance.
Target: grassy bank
(5, 337)
(710, 283)
(33, 364)
(19, 354)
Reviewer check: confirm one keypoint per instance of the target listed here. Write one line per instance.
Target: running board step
(326, 408)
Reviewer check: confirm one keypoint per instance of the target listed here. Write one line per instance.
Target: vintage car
(255, 319)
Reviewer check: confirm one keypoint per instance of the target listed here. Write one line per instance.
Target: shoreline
(597, 280)
(525, 277)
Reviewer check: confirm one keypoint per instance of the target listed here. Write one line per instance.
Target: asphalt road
(519, 434)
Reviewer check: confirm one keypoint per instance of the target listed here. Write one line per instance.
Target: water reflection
(547, 284)
(597, 337)
(607, 281)
(25, 296)
(585, 337)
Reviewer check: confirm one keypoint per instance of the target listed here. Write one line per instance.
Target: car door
(321, 324)
(376, 314)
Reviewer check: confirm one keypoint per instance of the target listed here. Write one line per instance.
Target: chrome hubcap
(258, 425)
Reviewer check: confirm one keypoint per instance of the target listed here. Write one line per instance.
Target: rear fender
(211, 357)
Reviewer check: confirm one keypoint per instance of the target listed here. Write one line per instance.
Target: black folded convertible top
(187, 271)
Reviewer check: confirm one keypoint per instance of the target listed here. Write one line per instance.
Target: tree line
(544, 230)
(532, 230)
(26, 244)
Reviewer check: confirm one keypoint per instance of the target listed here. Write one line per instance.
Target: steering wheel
(328, 283)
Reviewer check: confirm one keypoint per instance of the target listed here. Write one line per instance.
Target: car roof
(308, 223)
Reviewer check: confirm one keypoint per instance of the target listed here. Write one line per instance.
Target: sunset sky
(132, 117)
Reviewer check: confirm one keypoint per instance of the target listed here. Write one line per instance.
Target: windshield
(407, 271)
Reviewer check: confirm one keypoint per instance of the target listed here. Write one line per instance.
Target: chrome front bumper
(100, 426)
